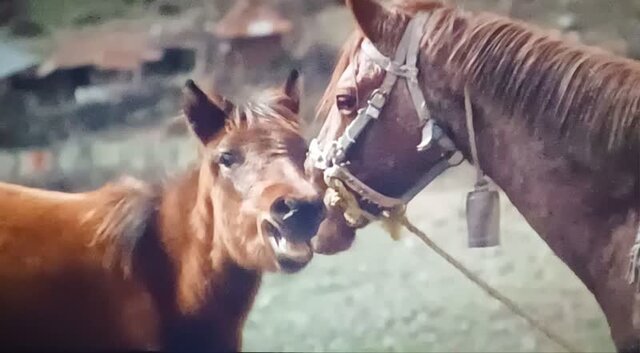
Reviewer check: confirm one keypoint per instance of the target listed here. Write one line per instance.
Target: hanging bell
(483, 216)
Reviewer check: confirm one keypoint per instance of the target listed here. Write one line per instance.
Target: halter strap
(390, 66)
(409, 46)
(404, 65)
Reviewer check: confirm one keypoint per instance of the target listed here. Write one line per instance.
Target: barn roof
(250, 19)
(119, 49)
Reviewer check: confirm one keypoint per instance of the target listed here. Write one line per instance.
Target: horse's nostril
(280, 209)
(299, 215)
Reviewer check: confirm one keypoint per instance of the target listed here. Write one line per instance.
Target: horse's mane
(124, 213)
(265, 107)
(581, 92)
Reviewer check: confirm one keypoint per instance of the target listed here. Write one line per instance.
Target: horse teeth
(282, 244)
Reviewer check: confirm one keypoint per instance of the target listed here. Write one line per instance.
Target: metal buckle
(377, 99)
(324, 159)
(336, 153)
(402, 70)
(371, 111)
(409, 72)
(428, 136)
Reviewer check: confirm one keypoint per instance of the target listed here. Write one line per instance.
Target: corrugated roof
(251, 19)
(14, 60)
(106, 49)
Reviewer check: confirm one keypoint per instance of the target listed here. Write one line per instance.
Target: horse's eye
(346, 103)
(228, 159)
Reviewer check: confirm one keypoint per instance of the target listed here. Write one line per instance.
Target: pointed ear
(370, 16)
(291, 90)
(205, 116)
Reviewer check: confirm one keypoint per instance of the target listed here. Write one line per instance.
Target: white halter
(332, 160)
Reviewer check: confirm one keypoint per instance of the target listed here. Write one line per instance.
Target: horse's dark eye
(346, 102)
(228, 159)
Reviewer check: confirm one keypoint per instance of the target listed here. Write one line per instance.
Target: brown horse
(557, 127)
(176, 267)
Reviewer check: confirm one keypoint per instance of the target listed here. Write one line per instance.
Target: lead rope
(515, 308)
(401, 218)
(340, 197)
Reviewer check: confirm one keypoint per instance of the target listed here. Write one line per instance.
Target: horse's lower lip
(291, 256)
(291, 266)
(334, 235)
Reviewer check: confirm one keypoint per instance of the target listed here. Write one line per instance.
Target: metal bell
(430, 133)
(483, 217)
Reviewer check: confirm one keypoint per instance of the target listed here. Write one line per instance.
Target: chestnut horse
(557, 127)
(132, 266)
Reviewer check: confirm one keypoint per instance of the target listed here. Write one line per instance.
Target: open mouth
(291, 256)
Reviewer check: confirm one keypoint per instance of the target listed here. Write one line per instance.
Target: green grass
(55, 14)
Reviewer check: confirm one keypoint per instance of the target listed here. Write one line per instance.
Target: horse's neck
(571, 206)
(207, 279)
(587, 217)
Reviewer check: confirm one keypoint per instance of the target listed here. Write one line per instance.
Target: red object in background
(40, 161)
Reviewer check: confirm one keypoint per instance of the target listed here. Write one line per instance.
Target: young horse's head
(253, 194)
(395, 114)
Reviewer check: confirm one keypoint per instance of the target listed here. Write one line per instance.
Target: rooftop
(122, 49)
(250, 19)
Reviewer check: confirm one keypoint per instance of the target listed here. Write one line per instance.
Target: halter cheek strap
(332, 160)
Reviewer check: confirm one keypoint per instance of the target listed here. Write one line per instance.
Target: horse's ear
(291, 90)
(370, 16)
(206, 116)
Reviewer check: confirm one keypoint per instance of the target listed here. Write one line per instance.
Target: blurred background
(89, 90)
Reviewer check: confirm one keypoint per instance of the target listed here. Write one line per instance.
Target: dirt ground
(400, 296)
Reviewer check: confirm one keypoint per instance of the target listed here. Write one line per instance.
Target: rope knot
(338, 196)
(392, 221)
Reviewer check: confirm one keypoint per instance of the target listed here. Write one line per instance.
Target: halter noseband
(332, 160)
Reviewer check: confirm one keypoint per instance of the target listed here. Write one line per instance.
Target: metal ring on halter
(460, 157)
(377, 98)
(347, 133)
